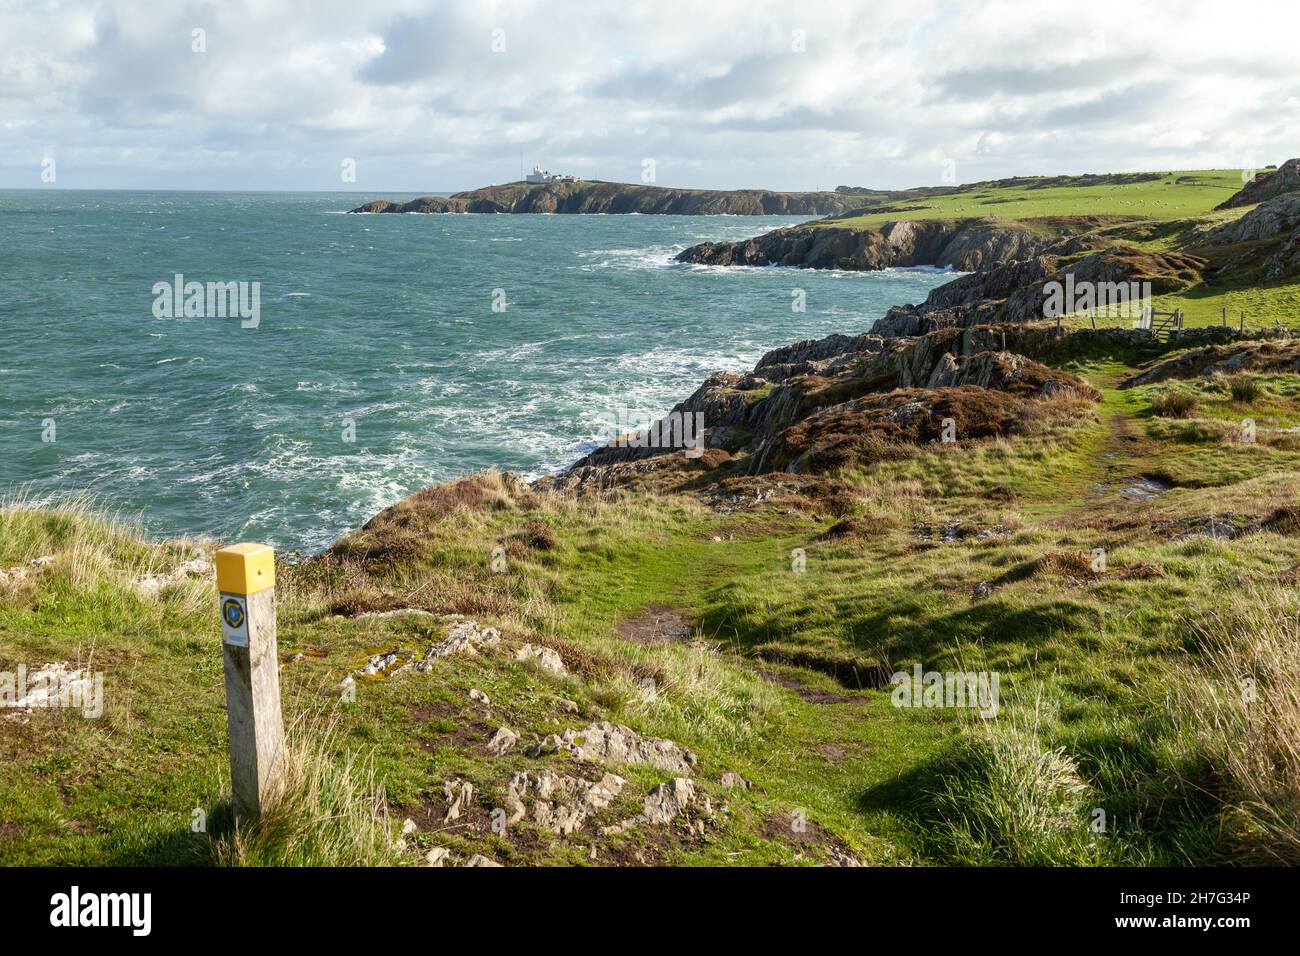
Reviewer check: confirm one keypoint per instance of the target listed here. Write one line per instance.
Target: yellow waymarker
(246, 580)
(245, 568)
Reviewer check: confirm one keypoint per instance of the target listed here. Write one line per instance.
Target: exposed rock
(735, 781)
(617, 744)
(438, 856)
(549, 744)
(663, 804)
(55, 684)
(750, 413)
(1265, 241)
(587, 196)
(559, 803)
(459, 794)
(463, 637)
(1271, 218)
(385, 664)
(151, 584)
(1021, 291)
(547, 658)
(838, 857)
(502, 741)
(479, 860)
(479, 697)
(1266, 185)
(20, 572)
(1254, 356)
(962, 244)
(408, 827)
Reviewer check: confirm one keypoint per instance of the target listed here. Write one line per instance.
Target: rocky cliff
(1266, 185)
(816, 406)
(613, 198)
(1018, 291)
(963, 244)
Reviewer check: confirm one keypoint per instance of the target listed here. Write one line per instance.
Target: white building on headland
(539, 175)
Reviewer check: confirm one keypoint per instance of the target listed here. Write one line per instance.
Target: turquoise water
(199, 426)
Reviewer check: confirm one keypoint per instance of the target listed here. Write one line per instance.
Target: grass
(1170, 196)
(1245, 710)
(971, 556)
(330, 811)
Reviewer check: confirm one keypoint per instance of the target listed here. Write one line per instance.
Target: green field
(1178, 195)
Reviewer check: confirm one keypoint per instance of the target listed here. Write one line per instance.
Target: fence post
(246, 580)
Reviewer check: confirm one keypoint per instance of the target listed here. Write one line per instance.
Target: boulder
(502, 742)
(547, 658)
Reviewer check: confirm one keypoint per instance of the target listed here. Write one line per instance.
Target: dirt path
(1119, 473)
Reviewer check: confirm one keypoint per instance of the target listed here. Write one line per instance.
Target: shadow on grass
(181, 846)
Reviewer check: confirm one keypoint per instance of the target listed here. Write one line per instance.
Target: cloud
(452, 94)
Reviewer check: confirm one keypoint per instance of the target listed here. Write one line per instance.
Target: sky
(407, 97)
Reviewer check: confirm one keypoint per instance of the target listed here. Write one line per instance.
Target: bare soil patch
(658, 624)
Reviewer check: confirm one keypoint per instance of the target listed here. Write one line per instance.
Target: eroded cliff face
(963, 244)
(1019, 291)
(818, 405)
(1266, 185)
(624, 198)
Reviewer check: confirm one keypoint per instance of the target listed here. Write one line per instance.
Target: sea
(386, 352)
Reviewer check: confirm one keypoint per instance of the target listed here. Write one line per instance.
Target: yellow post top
(245, 568)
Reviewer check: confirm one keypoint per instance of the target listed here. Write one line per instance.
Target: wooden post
(246, 580)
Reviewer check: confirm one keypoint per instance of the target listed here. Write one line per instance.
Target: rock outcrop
(961, 244)
(1266, 185)
(805, 407)
(1019, 291)
(1225, 359)
(616, 744)
(1270, 218)
(586, 196)
(558, 802)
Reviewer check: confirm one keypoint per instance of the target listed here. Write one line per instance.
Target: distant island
(564, 195)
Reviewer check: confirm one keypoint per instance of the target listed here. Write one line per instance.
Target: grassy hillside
(686, 620)
(1178, 195)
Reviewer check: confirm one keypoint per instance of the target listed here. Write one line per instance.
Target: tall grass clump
(1006, 798)
(1173, 403)
(331, 811)
(1244, 707)
(1244, 388)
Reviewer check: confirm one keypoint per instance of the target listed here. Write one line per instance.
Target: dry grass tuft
(331, 811)
(1245, 710)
